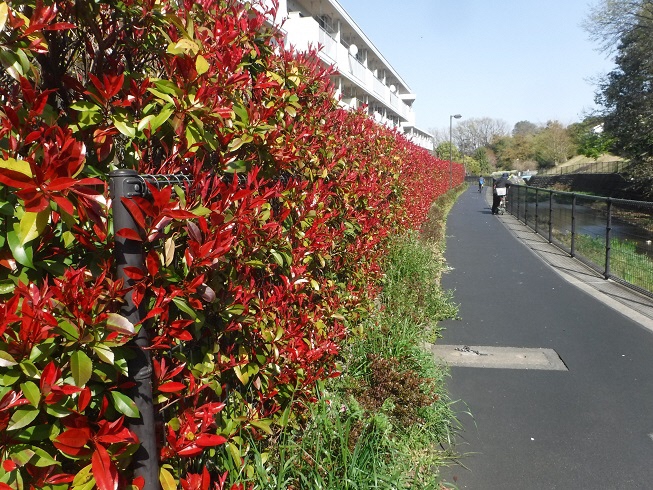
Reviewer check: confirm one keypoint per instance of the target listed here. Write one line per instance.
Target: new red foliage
(255, 271)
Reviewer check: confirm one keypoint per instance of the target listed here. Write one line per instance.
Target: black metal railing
(612, 236)
(613, 167)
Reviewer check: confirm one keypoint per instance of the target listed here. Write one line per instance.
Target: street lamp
(451, 118)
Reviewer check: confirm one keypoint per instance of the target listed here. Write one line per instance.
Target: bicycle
(502, 205)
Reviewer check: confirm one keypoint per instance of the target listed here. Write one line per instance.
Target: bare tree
(609, 20)
(440, 135)
(472, 134)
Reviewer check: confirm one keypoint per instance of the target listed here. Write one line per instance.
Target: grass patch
(625, 262)
(387, 422)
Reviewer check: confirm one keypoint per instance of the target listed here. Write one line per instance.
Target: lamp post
(451, 118)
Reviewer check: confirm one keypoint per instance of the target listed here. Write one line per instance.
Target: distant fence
(612, 236)
(613, 167)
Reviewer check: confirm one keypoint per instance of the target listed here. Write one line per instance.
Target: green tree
(625, 27)
(445, 150)
(626, 94)
(525, 128)
(553, 145)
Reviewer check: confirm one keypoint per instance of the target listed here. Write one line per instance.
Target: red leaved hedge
(254, 272)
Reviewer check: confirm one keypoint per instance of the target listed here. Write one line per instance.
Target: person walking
(481, 181)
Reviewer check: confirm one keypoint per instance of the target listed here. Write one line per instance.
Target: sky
(513, 60)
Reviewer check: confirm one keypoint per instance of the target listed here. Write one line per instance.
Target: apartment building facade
(364, 77)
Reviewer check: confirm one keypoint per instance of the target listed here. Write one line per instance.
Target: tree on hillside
(525, 128)
(553, 145)
(479, 132)
(610, 20)
(626, 95)
(590, 137)
(511, 150)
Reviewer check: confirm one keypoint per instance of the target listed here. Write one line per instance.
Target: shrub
(254, 271)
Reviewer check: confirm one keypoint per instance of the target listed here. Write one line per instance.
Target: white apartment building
(364, 76)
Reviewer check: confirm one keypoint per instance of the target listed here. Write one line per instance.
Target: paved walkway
(587, 427)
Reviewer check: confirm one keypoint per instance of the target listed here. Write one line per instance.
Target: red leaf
(133, 272)
(206, 440)
(104, 471)
(171, 387)
(64, 204)
(61, 184)
(15, 179)
(84, 399)
(135, 211)
(60, 479)
(59, 26)
(179, 214)
(188, 451)
(129, 234)
(74, 437)
(9, 465)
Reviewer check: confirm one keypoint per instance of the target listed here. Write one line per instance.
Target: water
(591, 222)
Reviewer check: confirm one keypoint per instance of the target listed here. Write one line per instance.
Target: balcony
(303, 32)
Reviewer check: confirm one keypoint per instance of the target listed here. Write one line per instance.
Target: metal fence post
(550, 216)
(608, 239)
(129, 253)
(526, 206)
(573, 225)
(537, 209)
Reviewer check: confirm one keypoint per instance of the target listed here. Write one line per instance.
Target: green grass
(625, 262)
(387, 422)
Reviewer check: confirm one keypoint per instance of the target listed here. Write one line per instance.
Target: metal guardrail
(612, 236)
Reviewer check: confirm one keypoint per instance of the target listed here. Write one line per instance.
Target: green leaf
(234, 452)
(43, 459)
(185, 46)
(162, 117)
(30, 370)
(11, 63)
(31, 392)
(201, 65)
(22, 417)
(21, 454)
(242, 376)
(124, 125)
(4, 15)
(32, 225)
(241, 113)
(34, 433)
(104, 353)
(118, 323)
(7, 286)
(161, 95)
(23, 255)
(17, 166)
(81, 367)
(85, 106)
(167, 480)
(183, 306)
(6, 359)
(84, 478)
(262, 424)
(124, 404)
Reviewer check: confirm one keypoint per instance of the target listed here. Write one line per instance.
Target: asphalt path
(590, 427)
